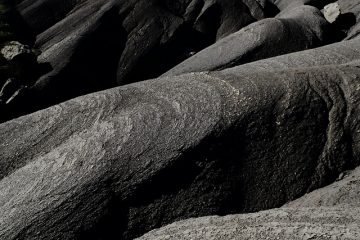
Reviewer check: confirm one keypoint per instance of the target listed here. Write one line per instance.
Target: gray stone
(329, 213)
(352, 9)
(14, 49)
(134, 158)
(248, 137)
(290, 4)
(95, 45)
(279, 224)
(262, 39)
(332, 12)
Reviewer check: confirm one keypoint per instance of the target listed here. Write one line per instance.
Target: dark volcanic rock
(333, 54)
(42, 14)
(130, 159)
(279, 224)
(12, 25)
(351, 9)
(219, 18)
(18, 64)
(298, 29)
(94, 45)
(14, 48)
(289, 4)
(329, 213)
(253, 135)
(345, 193)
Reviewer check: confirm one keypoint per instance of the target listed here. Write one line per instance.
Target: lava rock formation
(179, 119)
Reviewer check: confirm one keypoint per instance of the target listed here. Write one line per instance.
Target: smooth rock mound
(282, 224)
(329, 213)
(95, 45)
(263, 39)
(148, 154)
(251, 137)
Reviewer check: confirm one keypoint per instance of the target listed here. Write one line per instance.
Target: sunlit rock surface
(234, 120)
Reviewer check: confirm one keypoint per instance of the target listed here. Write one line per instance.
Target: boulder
(332, 12)
(15, 49)
(18, 64)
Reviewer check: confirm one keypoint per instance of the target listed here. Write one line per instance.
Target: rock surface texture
(252, 131)
(305, 25)
(94, 45)
(329, 213)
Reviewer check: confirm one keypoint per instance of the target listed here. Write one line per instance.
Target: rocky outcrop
(289, 4)
(343, 193)
(256, 131)
(339, 53)
(352, 11)
(12, 25)
(282, 224)
(263, 39)
(329, 213)
(19, 68)
(137, 157)
(95, 45)
(105, 43)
